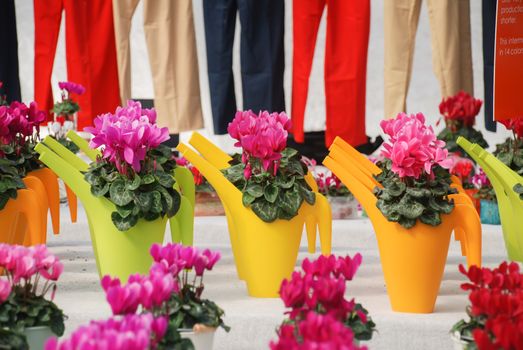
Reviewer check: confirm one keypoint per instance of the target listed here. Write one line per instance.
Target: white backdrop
(424, 90)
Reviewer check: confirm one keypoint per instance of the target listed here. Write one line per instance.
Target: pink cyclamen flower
(122, 299)
(5, 290)
(72, 88)
(413, 147)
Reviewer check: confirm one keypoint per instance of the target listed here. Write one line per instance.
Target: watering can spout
(83, 145)
(210, 151)
(226, 190)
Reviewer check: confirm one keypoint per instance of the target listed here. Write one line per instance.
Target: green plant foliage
(510, 153)
(148, 195)
(66, 107)
(486, 193)
(10, 181)
(362, 330)
(465, 328)
(11, 340)
(24, 157)
(408, 200)
(271, 196)
(172, 339)
(188, 309)
(19, 312)
(471, 134)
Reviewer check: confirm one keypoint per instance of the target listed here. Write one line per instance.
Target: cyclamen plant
(415, 179)
(19, 132)
(318, 293)
(484, 186)
(464, 169)
(67, 107)
(10, 181)
(269, 174)
(130, 332)
(459, 112)
(135, 171)
(510, 152)
(496, 300)
(30, 274)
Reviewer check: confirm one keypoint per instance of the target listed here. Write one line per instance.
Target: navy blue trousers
(9, 52)
(262, 56)
(488, 10)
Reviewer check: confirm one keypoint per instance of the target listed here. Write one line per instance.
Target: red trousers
(90, 54)
(348, 26)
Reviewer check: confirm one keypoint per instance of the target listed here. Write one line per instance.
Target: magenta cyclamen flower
(413, 147)
(127, 135)
(480, 179)
(316, 331)
(131, 332)
(262, 136)
(5, 290)
(22, 263)
(72, 88)
(176, 257)
(19, 121)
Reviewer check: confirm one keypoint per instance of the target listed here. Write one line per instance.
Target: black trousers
(488, 9)
(9, 52)
(262, 56)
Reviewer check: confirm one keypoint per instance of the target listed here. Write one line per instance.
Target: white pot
(201, 340)
(459, 344)
(37, 336)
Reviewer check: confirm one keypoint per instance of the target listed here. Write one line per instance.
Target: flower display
(413, 147)
(414, 176)
(510, 152)
(130, 332)
(30, 274)
(71, 88)
(515, 125)
(319, 289)
(270, 175)
(316, 331)
(127, 135)
(464, 169)
(67, 107)
(484, 186)
(496, 301)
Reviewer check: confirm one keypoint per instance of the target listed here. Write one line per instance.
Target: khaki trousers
(451, 48)
(170, 37)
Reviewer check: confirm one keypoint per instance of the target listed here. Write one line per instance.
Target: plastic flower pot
(20, 219)
(37, 336)
(220, 160)
(202, 340)
(345, 207)
(117, 253)
(471, 192)
(490, 212)
(510, 206)
(265, 253)
(412, 260)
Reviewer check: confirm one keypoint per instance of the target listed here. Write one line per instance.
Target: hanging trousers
(488, 10)
(90, 54)
(451, 48)
(262, 56)
(9, 52)
(348, 25)
(171, 43)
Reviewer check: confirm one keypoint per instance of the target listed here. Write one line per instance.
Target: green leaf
(144, 200)
(247, 199)
(156, 205)
(270, 193)
(289, 152)
(166, 180)
(131, 186)
(121, 223)
(290, 201)
(254, 190)
(431, 218)
(119, 194)
(410, 208)
(100, 191)
(265, 211)
(148, 179)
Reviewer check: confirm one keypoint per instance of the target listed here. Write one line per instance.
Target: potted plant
(194, 317)
(459, 113)
(266, 199)
(342, 202)
(207, 202)
(510, 152)
(11, 340)
(411, 211)
(66, 109)
(487, 196)
(494, 314)
(465, 169)
(319, 290)
(30, 275)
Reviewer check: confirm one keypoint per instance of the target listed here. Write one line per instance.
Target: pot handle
(465, 217)
(360, 159)
(182, 224)
(185, 181)
(83, 145)
(357, 171)
(210, 151)
(323, 215)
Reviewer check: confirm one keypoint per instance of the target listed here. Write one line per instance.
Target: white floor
(253, 321)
